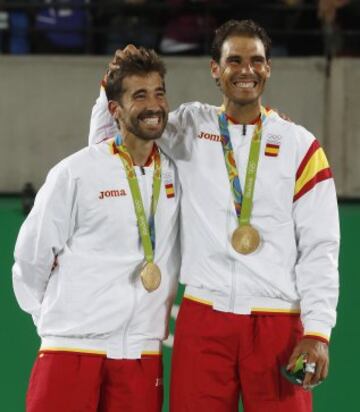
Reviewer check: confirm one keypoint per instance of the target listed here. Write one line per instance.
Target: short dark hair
(143, 62)
(242, 28)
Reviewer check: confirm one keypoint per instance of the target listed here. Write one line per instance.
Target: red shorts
(77, 382)
(221, 357)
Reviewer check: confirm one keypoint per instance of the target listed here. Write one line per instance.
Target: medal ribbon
(146, 229)
(243, 201)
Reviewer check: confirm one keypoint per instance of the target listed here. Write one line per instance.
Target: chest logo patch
(168, 179)
(169, 190)
(272, 146)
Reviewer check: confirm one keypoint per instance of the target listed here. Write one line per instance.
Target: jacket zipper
(233, 288)
(126, 328)
(232, 264)
(234, 275)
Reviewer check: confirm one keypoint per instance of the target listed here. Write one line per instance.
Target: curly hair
(141, 63)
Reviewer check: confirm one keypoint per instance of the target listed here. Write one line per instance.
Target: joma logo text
(209, 136)
(112, 193)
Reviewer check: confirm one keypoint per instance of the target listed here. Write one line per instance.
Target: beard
(137, 127)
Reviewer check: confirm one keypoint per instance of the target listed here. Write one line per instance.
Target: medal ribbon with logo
(150, 273)
(246, 238)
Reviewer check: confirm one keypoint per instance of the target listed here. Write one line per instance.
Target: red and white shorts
(221, 357)
(69, 382)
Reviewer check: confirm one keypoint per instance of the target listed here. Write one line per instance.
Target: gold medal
(150, 276)
(245, 239)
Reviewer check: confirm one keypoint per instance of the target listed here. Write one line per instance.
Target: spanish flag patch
(313, 169)
(272, 149)
(169, 189)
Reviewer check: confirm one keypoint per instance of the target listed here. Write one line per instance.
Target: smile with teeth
(245, 84)
(152, 120)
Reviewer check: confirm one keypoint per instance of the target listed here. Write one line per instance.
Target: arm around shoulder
(181, 130)
(102, 125)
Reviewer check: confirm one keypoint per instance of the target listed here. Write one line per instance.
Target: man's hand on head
(119, 55)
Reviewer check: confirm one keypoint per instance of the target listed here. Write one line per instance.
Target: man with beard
(260, 241)
(108, 216)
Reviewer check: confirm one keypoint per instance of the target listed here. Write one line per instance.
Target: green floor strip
(19, 342)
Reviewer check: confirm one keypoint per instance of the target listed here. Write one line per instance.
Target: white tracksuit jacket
(93, 301)
(294, 209)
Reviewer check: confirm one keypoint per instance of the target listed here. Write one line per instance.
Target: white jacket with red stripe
(93, 301)
(294, 209)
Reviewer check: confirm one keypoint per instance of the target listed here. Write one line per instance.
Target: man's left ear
(215, 70)
(268, 68)
(114, 108)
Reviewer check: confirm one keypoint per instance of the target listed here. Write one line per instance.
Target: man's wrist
(316, 328)
(317, 336)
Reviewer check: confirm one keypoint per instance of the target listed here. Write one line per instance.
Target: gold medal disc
(150, 276)
(245, 239)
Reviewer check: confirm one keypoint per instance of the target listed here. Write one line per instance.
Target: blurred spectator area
(297, 27)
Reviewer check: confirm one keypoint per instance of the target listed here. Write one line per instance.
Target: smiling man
(260, 240)
(108, 218)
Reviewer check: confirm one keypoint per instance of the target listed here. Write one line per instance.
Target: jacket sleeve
(42, 237)
(180, 132)
(102, 125)
(316, 219)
